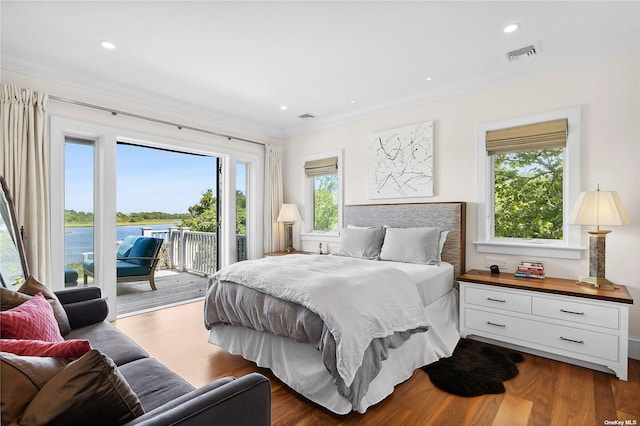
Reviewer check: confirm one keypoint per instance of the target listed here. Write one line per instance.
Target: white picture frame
(400, 163)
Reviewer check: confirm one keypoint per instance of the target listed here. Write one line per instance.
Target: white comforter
(358, 300)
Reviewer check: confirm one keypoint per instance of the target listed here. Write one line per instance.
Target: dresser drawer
(501, 325)
(581, 313)
(498, 299)
(580, 342)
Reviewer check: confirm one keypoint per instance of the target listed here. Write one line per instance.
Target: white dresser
(553, 317)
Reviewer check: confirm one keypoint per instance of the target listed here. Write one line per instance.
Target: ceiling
(238, 62)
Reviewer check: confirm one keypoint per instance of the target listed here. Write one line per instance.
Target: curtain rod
(155, 120)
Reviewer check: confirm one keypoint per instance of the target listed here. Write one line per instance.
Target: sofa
(156, 395)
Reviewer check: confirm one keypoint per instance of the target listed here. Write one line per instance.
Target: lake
(80, 240)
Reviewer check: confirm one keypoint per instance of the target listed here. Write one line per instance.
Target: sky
(147, 179)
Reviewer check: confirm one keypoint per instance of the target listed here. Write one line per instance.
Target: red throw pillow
(68, 349)
(33, 320)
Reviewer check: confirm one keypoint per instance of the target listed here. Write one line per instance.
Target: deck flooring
(172, 288)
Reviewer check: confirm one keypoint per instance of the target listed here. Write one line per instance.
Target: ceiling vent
(523, 52)
(307, 116)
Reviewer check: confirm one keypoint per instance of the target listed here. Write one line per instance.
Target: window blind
(324, 166)
(530, 137)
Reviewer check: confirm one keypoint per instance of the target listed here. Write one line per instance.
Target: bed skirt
(300, 366)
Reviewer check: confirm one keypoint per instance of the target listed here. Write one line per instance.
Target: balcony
(187, 259)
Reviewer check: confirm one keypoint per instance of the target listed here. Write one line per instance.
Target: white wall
(105, 118)
(608, 93)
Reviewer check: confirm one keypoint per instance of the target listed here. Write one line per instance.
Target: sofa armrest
(86, 312)
(83, 305)
(244, 401)
(78, 294)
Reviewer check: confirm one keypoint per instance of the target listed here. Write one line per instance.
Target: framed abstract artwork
(401, 162)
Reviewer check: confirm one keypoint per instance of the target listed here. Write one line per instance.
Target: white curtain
(273, 197)
(24, 163)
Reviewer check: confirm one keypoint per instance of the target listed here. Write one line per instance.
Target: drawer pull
(571, 312)
(581, 342)
(496, 325)
(497, 300)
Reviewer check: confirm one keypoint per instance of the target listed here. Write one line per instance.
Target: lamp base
(289, 234)
(598, 283)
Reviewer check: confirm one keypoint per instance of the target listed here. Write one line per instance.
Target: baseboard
(634, 348)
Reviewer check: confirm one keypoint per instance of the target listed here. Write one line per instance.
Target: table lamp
(598, 208)
(289, 214)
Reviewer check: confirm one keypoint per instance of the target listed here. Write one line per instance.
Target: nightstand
(553, 317)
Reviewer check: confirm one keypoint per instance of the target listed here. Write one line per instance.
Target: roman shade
(324, 166)
(530, 137)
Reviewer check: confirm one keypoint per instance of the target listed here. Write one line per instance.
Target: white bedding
(300, 366)
(357, 299)
(432, 281)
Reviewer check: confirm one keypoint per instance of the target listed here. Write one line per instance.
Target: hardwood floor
(546, 392)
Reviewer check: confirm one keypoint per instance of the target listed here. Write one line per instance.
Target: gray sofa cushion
(110, 341)
(154, 383)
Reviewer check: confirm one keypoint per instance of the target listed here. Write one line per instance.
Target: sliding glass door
(94, 190)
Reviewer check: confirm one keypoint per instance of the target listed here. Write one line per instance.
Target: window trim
(307, 207)
(569, 247)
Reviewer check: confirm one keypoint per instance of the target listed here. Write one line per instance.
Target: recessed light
(353, 101)
(511, 28)
(107, 44)
(429, 78)
(283, 107)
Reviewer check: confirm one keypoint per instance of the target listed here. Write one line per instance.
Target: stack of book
(530, 269)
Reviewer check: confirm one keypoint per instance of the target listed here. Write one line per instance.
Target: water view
(78, 240)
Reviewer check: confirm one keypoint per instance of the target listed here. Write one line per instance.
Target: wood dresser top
(548, 285)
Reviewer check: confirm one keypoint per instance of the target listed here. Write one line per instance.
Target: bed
(343, 330)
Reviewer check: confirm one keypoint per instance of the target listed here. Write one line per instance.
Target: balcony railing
(192, 251)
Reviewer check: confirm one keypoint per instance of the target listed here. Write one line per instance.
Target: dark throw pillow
(89, 390)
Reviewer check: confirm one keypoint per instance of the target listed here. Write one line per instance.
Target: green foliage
(202, 216)
(528, 194)
(72, 217)
(241, 213)
(325, 214)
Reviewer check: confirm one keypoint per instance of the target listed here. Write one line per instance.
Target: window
(323, 193)
(78, 210)
(325, 202)
(529, 178)
(241, 211)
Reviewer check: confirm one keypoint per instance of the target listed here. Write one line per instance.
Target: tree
(203, 216)
(325, 215)
(241, 213)
(528, 194)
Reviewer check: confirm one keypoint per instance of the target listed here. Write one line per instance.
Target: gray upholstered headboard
(446, 216)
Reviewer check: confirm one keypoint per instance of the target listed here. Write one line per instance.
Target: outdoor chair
(137, 258)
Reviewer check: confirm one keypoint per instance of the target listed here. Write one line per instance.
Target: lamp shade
(599, 208)
(289, 213)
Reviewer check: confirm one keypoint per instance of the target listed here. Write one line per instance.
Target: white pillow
(363, 243)
(443, 239)
(412, 245)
